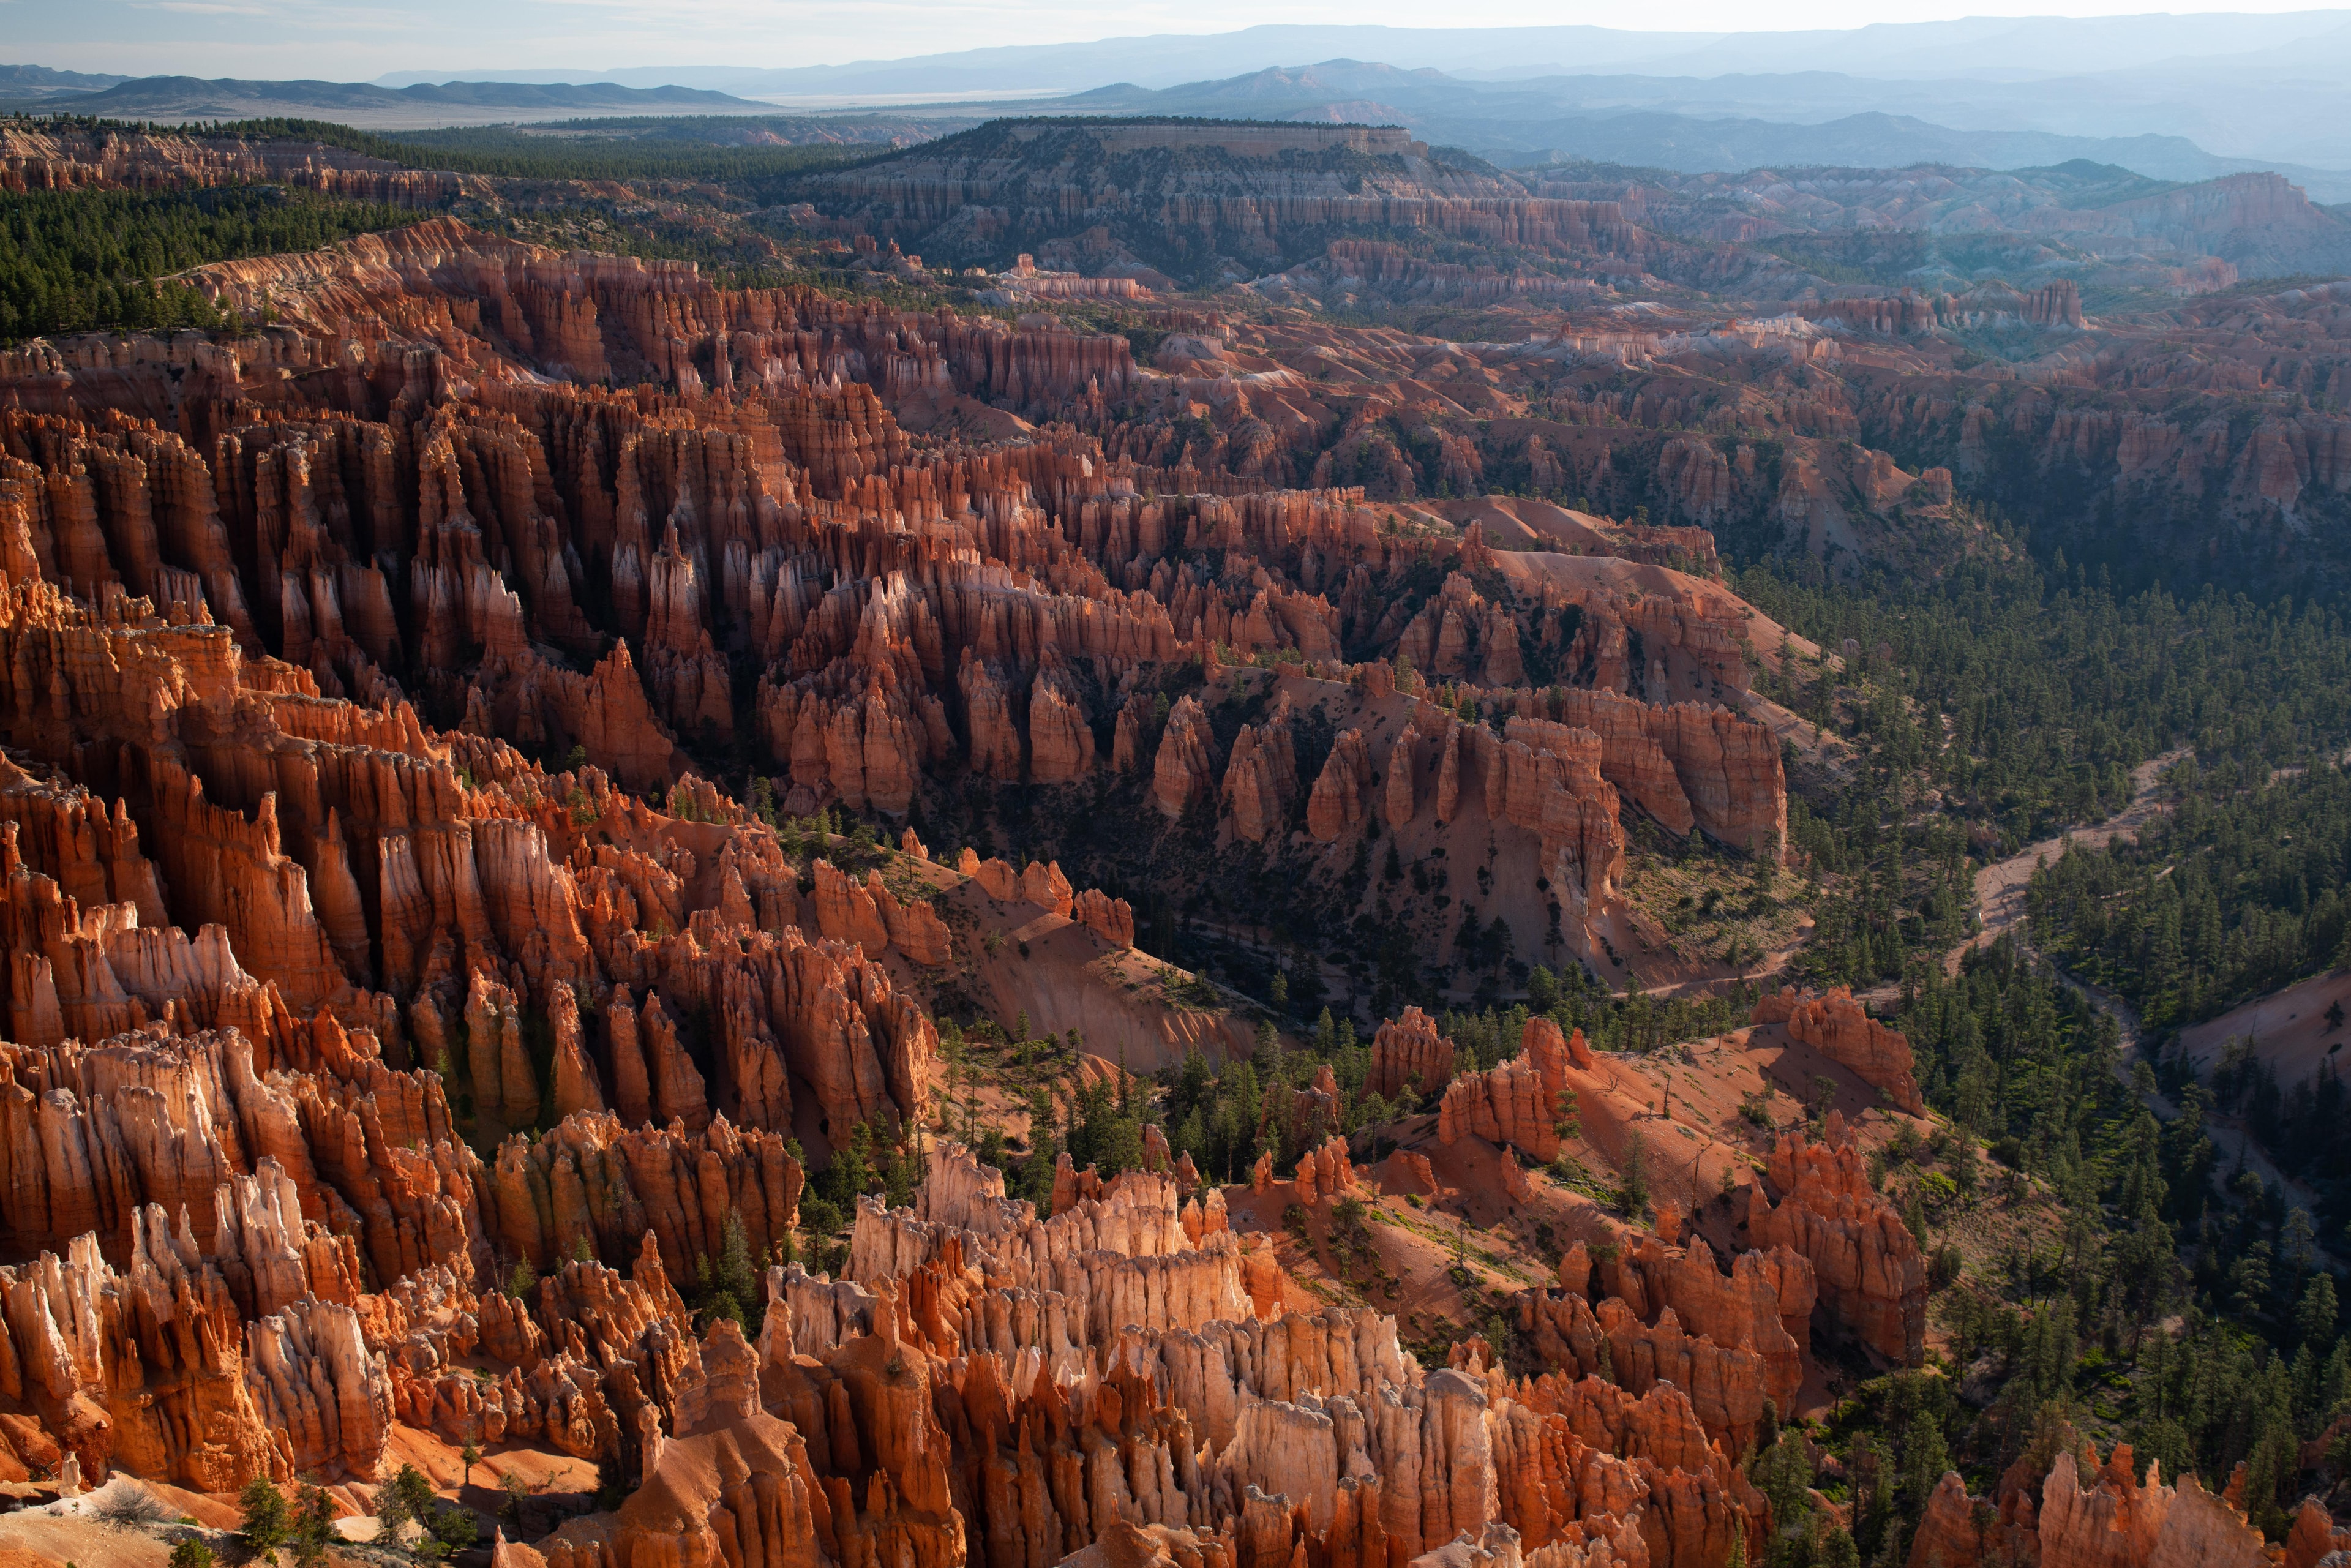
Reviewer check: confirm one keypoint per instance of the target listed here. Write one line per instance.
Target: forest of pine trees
(590, 149)
(2027, 697)
(2237, 891)
(2077, 1330)
(81, 261)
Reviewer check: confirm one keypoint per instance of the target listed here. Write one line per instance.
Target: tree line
(93, 260)
(505, 150)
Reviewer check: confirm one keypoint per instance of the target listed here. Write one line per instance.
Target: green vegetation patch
(505, 150)
(85, 261)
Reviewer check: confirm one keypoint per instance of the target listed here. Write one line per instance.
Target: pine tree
(267, 1525)
(313, 1529)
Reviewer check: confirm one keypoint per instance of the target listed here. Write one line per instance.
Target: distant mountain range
(360, 103)
(2274, 90)
(1991, 48)
(40, 82)
(1523, 121)
(2174, 98)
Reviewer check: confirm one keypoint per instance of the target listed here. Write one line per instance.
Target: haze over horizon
(2175, 97)
(337, 39)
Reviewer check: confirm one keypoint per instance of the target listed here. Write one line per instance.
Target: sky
(345, 40)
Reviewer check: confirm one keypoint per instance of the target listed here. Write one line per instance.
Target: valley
(1222, 843)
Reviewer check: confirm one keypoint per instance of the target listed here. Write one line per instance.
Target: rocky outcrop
(2091, 1513)
(1185, 771)
(995, 745)
(505, 1085)
(1400, 794)
(1947, 1531)
(1689, 764)
(1342, 790)
(1126, 1544)
(1840, 1029)
(741, 1492)
(871, 915)
(2313, 1536)
(577, 1087)
(1545, 777)
(1669, 1316)
(1871, 1274)
(1408, 1056)
(402, 1028)
(324, 1397)
(675, 1085)
(1043, 884)
(64, 157)
(142, 1369)
(1112, 919)
(593, 1183)
(1060, 742)
(1324, 1173)
(1262, 779)
(1460, 632)
(1517, 1102)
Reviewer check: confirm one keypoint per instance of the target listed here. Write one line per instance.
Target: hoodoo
(1124, 841)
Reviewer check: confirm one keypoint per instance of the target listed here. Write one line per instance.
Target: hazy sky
(361, 39)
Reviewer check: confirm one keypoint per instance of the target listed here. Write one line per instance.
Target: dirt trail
(2000, 888)
(2000, 898)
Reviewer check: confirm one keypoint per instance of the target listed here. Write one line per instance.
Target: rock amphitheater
(358, 681)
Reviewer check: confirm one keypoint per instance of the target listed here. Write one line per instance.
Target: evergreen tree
(268, 1524)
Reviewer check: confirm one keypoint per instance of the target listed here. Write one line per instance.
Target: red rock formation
(1324, 1172)
(2111, 1517)
(1842, 1030)
(577, 1086)
(1112, 919)
(746, 1483)
(1262, 776)
(1871, 1274)
(324, 1398)
(1407, 1053)
(1060, 742)
(995, 745)
(1517, 1103)
(845, 910)
(1727, 1380)
(1400, 795)
(916, 927)
(676, 1084)
(86, 1342)
(1045, 886)
(2313, 1536)
(1460, 632)
(1688, 765)
(1948, 1532)
(1545, 777)
(504, 1084)
(64, 158)
(1343, 789)
(1186, 770)
(590, 1178)
(279, 955)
